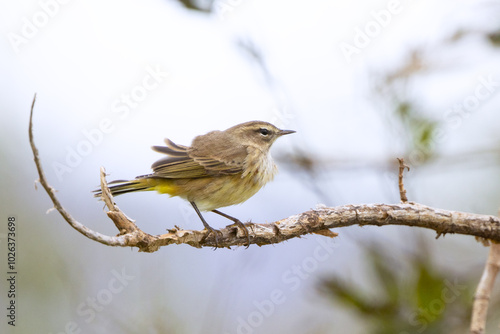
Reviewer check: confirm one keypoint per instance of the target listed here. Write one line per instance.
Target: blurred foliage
(423, 298)
(416, 128)
(200, 6)
(494, 38)
(416, 125)
(420, 130)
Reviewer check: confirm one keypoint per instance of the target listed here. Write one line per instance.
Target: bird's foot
(239, 224)
(211, 230)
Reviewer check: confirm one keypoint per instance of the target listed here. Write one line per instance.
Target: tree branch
(483, 291)
(402, 190)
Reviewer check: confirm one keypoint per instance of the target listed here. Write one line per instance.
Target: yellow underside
(209, 193)
(166, 187)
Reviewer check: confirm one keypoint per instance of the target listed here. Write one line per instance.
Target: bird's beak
(285, 132)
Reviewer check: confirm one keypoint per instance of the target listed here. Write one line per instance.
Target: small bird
(219, 169)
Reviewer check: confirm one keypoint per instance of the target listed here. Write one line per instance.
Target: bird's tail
(119, 187)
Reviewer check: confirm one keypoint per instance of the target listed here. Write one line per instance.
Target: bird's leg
(236, 222)
(208, 227)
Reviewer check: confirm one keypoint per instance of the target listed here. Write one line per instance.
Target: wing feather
(182, 162)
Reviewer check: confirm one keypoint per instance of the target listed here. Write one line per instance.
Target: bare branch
(483, 291)
(402, 190)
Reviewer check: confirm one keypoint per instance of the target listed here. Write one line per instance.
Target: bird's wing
(218, 153)
(182, 162)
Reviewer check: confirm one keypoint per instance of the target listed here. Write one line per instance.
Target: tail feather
(119, 187)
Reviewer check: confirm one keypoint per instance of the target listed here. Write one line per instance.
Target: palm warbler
(220, 168)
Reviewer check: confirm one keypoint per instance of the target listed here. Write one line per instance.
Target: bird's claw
(245, 230)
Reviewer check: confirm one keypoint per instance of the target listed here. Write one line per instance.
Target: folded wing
(181, 163)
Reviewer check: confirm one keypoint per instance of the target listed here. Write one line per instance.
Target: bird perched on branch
(219, 169)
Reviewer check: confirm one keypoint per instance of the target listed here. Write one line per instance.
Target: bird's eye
(264, 131)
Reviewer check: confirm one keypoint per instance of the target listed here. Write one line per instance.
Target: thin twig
(484, 289)
(112, 241)
(402, 190)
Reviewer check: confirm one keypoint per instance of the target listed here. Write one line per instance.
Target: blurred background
(362, 82)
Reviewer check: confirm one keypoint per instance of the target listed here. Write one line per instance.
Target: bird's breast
(260, 167)
(215, 192)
